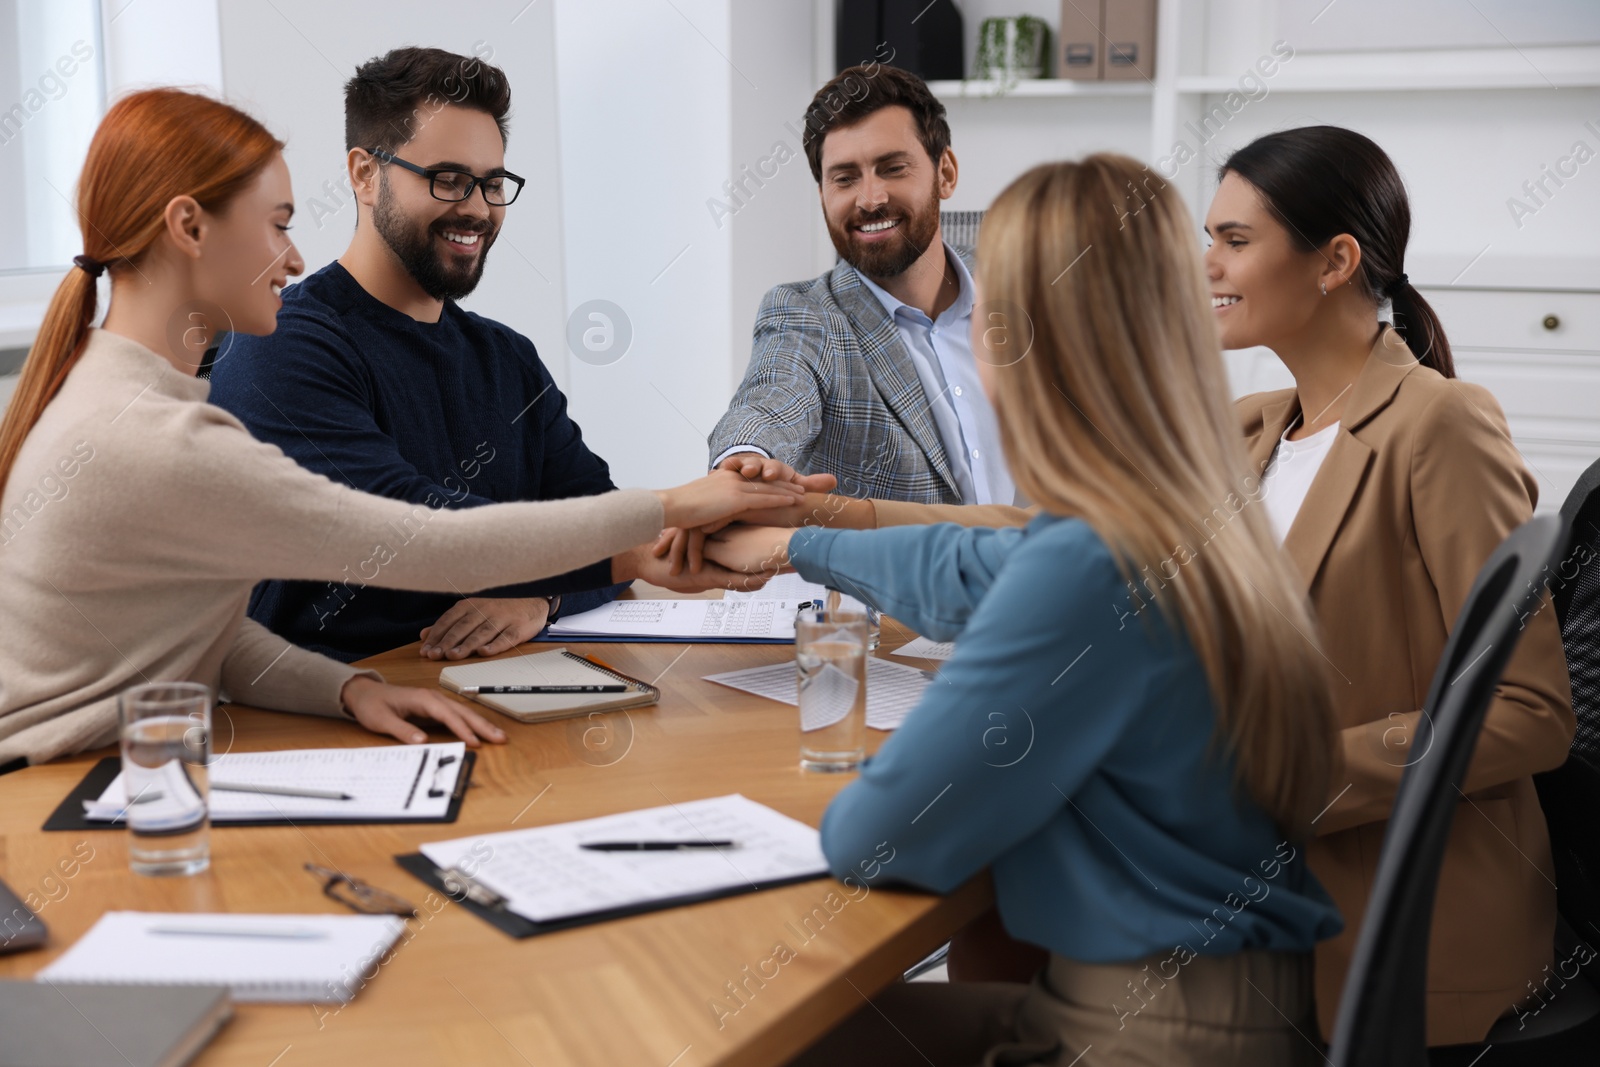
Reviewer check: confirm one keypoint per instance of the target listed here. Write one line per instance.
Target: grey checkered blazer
(831, 389)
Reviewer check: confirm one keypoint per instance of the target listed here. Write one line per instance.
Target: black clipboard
(69, 813)
(519, 926)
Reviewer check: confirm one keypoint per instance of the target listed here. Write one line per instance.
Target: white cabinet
(1539, 353)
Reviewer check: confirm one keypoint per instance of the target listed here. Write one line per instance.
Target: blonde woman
(136, 517)
(1133, 736)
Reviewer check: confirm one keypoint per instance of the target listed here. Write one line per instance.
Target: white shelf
(1036, 87)
(19, 323)
(1403, 82)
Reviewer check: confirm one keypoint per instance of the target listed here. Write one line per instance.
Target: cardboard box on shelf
(1080, 47)
(1130, 39)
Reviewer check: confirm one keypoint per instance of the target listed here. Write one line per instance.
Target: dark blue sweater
(455, 414)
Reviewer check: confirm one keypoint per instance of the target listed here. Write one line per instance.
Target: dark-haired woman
(135, 517)
(1389, 482)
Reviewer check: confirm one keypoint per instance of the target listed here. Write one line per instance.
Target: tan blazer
(1420, 485)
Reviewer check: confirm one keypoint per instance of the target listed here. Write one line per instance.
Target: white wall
(287, 62)
(660, 105)
(778, 230)
(644, 92)
(627, 117)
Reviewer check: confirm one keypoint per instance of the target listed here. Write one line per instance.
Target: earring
(1324, 288)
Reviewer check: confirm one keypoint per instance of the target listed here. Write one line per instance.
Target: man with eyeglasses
(376, 378)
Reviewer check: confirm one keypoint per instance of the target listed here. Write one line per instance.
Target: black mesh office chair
(960, 230)
(1570, 794)
(1575, 585)
(1382, 1012)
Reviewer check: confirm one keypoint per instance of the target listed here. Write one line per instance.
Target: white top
(1289, 475)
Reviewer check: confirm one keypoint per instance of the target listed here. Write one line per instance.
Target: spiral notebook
(556, 667)
(260, 958)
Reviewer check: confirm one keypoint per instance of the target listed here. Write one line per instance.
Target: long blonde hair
(1119, 415)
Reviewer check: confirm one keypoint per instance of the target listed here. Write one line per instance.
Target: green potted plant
(1012, 48)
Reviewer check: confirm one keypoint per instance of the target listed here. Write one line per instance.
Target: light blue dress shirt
(1069, 746)
(941, 350)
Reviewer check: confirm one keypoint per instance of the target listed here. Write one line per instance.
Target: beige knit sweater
(138, 517)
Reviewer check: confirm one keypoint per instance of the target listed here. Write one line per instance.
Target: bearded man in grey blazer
(868, 373)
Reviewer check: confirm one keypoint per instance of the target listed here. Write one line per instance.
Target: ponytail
(1322, 181)
(151, 147)
(55, 350)
(1418, 324)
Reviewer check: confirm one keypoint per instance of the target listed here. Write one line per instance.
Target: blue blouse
(1067, 745)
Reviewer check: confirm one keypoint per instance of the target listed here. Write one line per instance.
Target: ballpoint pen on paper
(288, 933)
(653, 846)
(281, 791)
(470, 690)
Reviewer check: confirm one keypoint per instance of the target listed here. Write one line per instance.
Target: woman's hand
(762, 550)
(679, 548)
(723, 495)
(686, 548)
(387, 709)
(645, 563)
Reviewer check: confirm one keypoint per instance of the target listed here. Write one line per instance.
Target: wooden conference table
(647, 991)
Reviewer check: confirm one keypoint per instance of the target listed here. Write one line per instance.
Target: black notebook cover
(520, 926)
(69, 813)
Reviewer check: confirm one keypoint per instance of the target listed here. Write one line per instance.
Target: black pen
(652, 846)
(475, 689)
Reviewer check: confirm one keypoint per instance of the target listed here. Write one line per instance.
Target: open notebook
(316, 958)
(556, 667)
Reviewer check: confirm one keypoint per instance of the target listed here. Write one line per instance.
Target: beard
(413, 245)
(888, 259)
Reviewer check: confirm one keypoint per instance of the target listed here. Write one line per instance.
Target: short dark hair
(391, 96)
(856, 92)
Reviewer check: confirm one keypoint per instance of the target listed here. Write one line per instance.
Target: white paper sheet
(766, 613)
(893, 689)
(384, 781)
(543, 874)
(794, 588)
(922, 648)
(695, 620)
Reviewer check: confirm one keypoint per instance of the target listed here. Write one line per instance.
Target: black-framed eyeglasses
(355, 894)
(453, 186)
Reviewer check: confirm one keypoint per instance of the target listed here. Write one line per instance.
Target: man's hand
(723, 495)
(485, 625)
(642, 562)
(388, 709)
(758, 468)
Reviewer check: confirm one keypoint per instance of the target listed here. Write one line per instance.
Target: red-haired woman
(135, 517)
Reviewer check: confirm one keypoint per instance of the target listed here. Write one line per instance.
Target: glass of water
(830, 653)
(166, 756)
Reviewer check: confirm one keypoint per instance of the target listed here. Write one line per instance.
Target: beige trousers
(1229, 1011)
